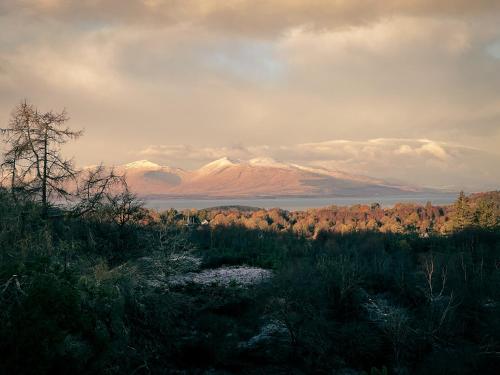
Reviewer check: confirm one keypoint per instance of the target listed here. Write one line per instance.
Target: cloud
(248, 16)
(192, 153)
(192, 156)
(419, 161)
(435, 150)
(432, 148)
(347, 149)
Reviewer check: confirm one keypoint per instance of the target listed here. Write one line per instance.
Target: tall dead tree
(52, 170)
(33, 155)
(33, 165)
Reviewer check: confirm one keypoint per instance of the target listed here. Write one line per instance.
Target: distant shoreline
(295, 203)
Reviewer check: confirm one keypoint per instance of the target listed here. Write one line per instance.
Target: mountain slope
(254, 178)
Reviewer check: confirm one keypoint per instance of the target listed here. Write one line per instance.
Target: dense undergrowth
(88, 295)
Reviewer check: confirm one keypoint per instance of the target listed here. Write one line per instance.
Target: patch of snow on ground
(184, 262)
(223, 276)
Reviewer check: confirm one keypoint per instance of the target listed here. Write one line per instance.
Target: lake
(294, 203)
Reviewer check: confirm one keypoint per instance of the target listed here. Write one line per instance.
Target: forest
(476, 210)
(101, 285)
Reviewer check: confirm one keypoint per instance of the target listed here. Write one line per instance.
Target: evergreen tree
(462, 217)
(486, 215)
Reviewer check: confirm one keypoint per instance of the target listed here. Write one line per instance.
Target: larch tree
(33, 158)
(34, 166)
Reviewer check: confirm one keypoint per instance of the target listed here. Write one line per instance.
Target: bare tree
(123, 206)
(429, 272)
(104, 194)
(440, 304)
(33, 164)
(33, 155)
(15, 136)
(93, 189)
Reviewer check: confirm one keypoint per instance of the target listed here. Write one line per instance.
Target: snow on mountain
(217, 165)
(256, 177)
(267, 162)
(142, 164)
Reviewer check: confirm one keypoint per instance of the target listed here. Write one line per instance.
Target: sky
(400, 89)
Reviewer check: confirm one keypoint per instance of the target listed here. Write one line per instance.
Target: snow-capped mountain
(253, 178)
(142, 164)
(216, 166)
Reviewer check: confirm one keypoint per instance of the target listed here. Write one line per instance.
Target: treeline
(477, 210)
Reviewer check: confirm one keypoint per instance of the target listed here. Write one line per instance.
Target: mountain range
(260, 177)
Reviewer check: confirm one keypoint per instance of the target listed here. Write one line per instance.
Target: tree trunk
(44, 178)
(13, 181)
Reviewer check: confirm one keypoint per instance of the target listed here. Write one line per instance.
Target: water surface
(294, 204)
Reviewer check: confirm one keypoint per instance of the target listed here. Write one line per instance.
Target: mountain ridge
(258, 177)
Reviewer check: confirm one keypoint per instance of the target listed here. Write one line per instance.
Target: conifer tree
(462, 217)
(486, 215)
